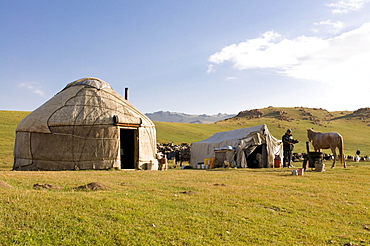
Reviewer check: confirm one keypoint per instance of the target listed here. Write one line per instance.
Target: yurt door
(128, 148)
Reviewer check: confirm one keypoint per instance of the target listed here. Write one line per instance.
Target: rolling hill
(354, 126)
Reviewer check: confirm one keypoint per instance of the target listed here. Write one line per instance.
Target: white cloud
(231, 78)
(344, 6)
(237, 53)
(341, 60)
(33, 87)
(328, 26)
(270, 51)
(210, 69)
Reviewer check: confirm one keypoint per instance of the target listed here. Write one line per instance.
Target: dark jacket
(288, 142)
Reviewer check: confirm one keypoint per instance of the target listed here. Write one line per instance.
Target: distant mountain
(317, 116)
(166, 116)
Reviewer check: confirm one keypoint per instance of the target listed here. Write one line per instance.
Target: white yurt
(85, 126)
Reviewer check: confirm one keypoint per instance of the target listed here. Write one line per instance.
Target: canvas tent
(87, 125)
(247, 144)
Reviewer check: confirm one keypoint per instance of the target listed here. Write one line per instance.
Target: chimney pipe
(126, 93)
(308, 147)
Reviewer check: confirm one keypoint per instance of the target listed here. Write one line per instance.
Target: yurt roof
(93, 82)
(88, 101)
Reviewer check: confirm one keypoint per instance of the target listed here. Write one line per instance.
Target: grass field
(189, 207)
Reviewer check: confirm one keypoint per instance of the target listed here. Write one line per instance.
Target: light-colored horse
(330, 140)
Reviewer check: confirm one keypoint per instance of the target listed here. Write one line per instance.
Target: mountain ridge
(176, 117)
(316, 116)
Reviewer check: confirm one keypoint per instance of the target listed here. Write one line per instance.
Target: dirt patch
(93, 186)
(39, 186)
(189, 192)
(219, 184)
(5, 185)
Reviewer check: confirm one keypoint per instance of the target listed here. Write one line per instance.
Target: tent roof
(239, 138)
(234, 134)
(87, 101)
(93, 82)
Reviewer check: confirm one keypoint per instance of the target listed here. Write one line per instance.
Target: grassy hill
(353, 126)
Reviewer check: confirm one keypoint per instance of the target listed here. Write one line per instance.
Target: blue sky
(189, 56)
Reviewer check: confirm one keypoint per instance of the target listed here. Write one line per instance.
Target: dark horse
(330, 140)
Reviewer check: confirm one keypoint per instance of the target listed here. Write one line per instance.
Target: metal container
(319, 167)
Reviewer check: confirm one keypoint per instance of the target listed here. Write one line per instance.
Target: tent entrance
(128, 148)
(258, 157)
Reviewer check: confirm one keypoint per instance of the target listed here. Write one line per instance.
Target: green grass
(192, 207)
(188, 207)
(8, 123)
(187, 132)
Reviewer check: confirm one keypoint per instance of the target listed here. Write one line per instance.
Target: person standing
(288, 146)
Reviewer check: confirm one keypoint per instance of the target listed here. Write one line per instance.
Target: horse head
(310, 132)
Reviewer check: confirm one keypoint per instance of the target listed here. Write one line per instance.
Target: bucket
(294, 172)
(300, 171)
(319, 167)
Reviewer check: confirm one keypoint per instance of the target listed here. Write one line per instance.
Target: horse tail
(341, 151)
